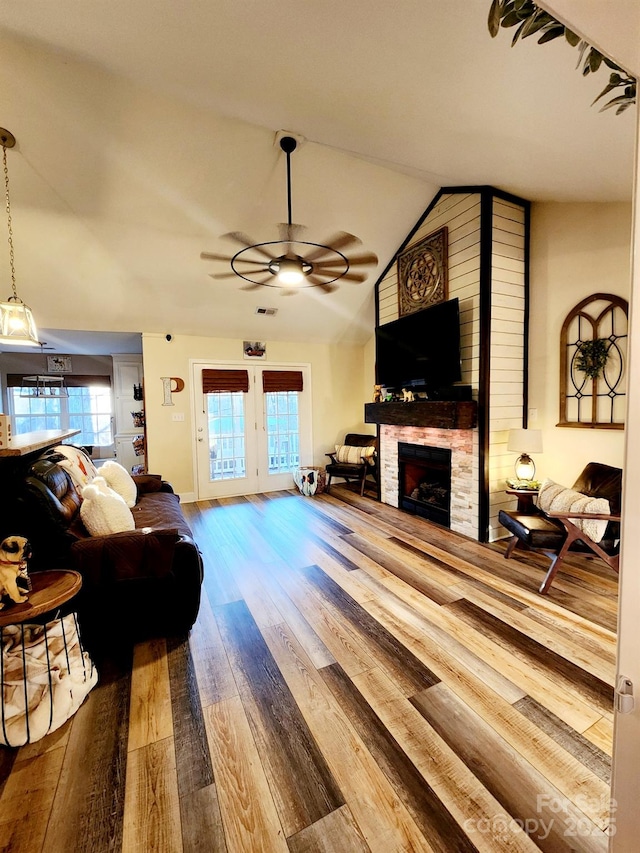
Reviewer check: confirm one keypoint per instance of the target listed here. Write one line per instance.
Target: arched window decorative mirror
(593, 363)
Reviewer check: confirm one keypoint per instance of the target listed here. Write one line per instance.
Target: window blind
(224, 380)
(281, 380)
(71, 380)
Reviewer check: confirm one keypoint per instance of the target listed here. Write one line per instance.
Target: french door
(249, 440)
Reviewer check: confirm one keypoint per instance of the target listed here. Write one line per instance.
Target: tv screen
(420, 350)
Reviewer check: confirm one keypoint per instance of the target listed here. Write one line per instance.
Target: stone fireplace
(463, 445)
(447, 426)
(424, 481)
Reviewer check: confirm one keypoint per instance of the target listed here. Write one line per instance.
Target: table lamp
(524, 442)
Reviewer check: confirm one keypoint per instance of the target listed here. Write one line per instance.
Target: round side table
(526, 499)
(45, 674)
(49, 590)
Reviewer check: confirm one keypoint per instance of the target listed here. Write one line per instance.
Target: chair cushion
(556, 498)
(353, 455)
(535, 530)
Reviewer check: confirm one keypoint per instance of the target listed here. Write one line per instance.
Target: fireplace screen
(424, 475)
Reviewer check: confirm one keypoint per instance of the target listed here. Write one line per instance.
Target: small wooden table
(526, 499)
(26, 716)
(49, 590)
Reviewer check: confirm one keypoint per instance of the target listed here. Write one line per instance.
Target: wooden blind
(281, 380)
(71, 380)
(224, 380)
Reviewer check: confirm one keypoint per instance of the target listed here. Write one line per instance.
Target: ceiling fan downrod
(288, 145)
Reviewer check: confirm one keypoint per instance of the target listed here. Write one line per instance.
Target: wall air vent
(269, 311)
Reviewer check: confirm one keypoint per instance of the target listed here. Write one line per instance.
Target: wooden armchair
(356, 459)
(555, 533)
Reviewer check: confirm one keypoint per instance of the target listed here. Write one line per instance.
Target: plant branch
(531, 20)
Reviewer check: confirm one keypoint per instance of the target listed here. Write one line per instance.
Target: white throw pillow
(120, 480)
(103, 511)
(353, 455)
(553, 497)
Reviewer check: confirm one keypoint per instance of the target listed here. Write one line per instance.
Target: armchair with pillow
(584, 518)
(356, 459)
(126, 535)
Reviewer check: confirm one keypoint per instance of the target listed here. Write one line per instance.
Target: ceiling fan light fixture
(290, 271)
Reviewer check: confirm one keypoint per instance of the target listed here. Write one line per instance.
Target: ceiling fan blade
(212, 256)
(353, 276)
(246, 241)
(355, 261)
(289, 292)
(336, 242)
(235, 275)
(255, 286)
(358, 260)
(289, 232)
(323, 285)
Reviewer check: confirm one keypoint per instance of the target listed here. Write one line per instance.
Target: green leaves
(530, 19)
(592, 356)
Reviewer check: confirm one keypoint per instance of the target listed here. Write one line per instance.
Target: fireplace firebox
(424, 480)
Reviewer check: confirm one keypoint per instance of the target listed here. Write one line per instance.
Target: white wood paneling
(506, 392)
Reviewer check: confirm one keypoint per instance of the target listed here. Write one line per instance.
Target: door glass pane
(282, 431)
(225, 415)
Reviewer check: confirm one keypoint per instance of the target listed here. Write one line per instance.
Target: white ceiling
(146, 130)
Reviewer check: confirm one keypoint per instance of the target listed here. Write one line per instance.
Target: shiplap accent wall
(507, 352)
(503, 400)
(460, 212)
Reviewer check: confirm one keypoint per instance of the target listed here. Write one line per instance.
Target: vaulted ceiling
(146, 130)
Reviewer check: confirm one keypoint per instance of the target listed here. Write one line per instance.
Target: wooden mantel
(438, 414)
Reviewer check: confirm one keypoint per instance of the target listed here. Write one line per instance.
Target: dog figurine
(407, 396)
(14, 553)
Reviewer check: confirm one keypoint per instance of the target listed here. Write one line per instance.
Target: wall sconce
(524, 442)
(17, 326)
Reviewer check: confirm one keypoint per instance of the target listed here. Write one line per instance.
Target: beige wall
(369, 368)
(576, 250)
(337, 375)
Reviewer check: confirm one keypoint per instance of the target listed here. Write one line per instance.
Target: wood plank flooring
(357, 680)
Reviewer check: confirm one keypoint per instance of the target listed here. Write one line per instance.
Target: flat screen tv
(421, 350)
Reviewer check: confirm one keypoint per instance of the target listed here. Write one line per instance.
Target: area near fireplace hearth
(487, 259)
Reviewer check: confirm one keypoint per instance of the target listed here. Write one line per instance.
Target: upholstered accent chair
(557, 532)
(356, 459)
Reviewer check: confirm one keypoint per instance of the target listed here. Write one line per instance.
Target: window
(282, 431)
(226, 435)
(87, 408)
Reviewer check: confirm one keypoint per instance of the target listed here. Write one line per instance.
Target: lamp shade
(525, 440)
(17, 326)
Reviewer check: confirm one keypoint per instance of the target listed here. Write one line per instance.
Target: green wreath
(592, 356)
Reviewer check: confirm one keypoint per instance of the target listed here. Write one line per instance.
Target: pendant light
(17, 326)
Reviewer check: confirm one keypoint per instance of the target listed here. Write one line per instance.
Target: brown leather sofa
(137, 584)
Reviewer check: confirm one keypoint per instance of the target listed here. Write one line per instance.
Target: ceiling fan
(291, 263)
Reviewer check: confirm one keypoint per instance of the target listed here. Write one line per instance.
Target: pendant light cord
(9, 223)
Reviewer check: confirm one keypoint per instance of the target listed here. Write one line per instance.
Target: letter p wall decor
(171, 385)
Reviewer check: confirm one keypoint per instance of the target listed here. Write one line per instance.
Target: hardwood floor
(357, 680)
